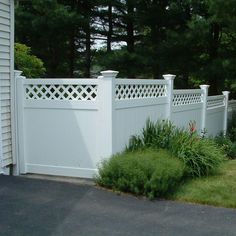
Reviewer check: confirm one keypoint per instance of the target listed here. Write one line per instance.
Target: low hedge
(152, 173)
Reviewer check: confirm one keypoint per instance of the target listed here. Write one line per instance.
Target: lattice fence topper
(186, 99)
(136, 91)
(215, 101)
(61, 92)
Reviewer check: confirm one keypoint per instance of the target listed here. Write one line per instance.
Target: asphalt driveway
(30, 207)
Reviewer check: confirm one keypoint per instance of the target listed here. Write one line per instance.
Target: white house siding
(6, 72)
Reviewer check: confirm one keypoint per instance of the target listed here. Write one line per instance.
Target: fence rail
(139, 89)
(65, 89)
(231, 109)
(215, 101)
(232, 103)
(187, 96)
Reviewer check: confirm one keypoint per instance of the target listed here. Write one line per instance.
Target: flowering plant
(192, 127)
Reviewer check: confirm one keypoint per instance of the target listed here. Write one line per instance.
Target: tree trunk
(213, 54)
(130, 27)
(88, 51)
(110, 28)
(72, 47)
(186, 79)
(86, 9)
(72, 55)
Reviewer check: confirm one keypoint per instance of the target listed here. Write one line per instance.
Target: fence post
(106, 98)
(20, 139)
(204, 89)
(15, 103)
(169, 91)
(226, 103)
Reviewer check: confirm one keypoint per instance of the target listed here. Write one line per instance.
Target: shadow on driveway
(30, 207)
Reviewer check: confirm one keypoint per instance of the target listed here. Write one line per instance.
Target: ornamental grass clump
(200, 155)
(154, 135)
(152, 173)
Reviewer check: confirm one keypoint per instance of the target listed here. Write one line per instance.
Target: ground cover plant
(225, 143)
(231, 130)
(217, 190)
(228, 142)
(152, 173)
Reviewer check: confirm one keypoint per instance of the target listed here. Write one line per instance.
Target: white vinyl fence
(231, 108)
(67, 126)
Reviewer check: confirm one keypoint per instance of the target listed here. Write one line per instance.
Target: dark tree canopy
(194, 39)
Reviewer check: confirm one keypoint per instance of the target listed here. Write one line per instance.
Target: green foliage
(128, 64)
(31, 66)
(228, 142)
(155, 161)
(231, 130)
(155, 135)
(201, 155)
(50, 29)
(227, 145)
(152, 173)
(144, 39)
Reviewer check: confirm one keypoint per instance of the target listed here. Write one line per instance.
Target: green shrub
(147, 172)
(200, 155)
(232, 128)
(225, 143)
(31, 66)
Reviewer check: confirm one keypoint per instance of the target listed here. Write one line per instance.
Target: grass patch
(152, 173)
(217, 190)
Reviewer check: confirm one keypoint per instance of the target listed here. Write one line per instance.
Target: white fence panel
(187, 106)
(214, 121)
(135, 102)
(215, 101)
(69, 150)
(215, 115)
(59, 131)
(128, 122)
(182, 116)
(231, 109)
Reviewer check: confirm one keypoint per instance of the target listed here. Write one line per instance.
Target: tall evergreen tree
(191, 38)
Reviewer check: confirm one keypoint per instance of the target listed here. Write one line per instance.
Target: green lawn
(217, 190)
